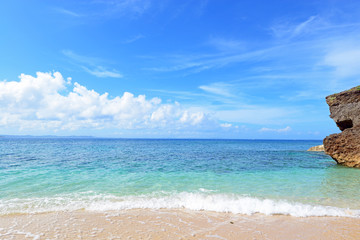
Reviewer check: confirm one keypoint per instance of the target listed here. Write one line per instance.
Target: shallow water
(240, 176)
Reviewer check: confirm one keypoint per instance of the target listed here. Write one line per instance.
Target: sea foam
(193, 201)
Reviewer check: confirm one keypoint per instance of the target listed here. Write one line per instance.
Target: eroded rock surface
(319, 148)
(344, 147)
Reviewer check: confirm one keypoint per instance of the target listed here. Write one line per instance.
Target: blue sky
(175, 69)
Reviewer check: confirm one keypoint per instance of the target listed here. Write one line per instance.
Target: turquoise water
(240, 176)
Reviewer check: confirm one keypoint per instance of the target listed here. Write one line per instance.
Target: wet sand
(173, 224)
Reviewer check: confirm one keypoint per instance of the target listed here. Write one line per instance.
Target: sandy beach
(173, 224)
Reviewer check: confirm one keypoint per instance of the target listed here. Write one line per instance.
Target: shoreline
(173, 224)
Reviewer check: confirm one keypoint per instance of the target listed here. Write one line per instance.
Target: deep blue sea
(239, 176)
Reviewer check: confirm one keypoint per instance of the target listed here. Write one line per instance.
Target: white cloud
(302, 26)
(288, 30)
(107, 9)
(199, 63)
(344, 57)
(67, 12)
(91, 65)
(133, 39)
(219, 88)
(103, 73)
(80, 59)
(281, 130)
(226, 125)
(131, 8)
(254, 114)
(226, 44)
(39, 103)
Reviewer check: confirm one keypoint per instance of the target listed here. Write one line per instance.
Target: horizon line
(148, 138)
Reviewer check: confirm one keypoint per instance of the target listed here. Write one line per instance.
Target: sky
(175, 69)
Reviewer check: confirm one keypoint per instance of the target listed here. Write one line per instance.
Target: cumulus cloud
(48, 101)
(281, 130)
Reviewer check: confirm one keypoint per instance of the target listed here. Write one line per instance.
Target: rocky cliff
(344, 147)
(319, 148)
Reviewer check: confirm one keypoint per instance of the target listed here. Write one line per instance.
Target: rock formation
(319, 148)
(344, 147)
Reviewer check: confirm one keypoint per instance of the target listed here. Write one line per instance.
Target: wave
(202, 200)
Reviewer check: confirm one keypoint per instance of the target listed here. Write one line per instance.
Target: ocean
(238, 176)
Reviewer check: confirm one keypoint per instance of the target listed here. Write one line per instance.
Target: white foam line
(193, 201)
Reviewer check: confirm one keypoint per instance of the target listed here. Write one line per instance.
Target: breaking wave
(202, 200)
